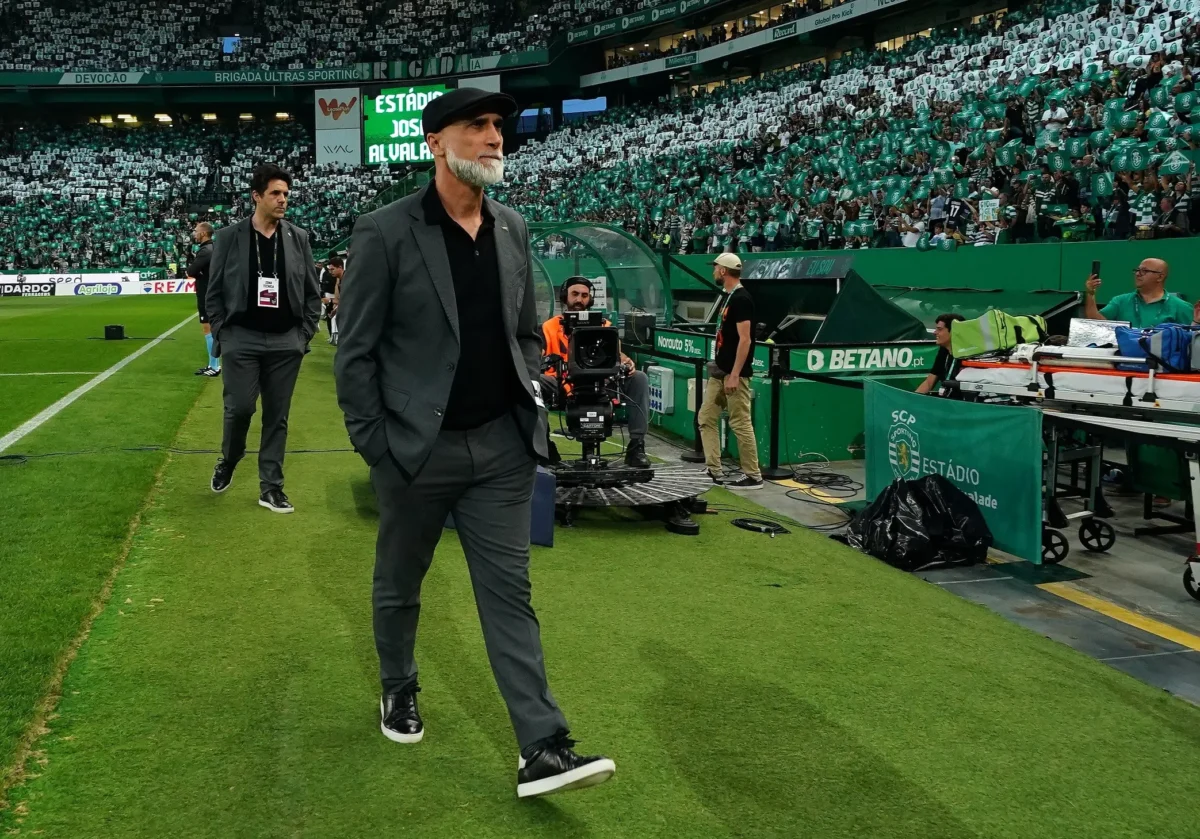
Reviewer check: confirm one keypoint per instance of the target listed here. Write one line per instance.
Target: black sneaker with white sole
(275, 501)
(222, 475)
(745, 482)
(399, 719)
(211, 372)
(552, 766)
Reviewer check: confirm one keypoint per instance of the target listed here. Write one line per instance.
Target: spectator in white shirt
(1054, 118)
(911, 228)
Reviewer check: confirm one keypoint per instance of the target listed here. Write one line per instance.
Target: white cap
(729, 260)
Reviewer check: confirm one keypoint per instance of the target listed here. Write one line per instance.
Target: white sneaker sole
(262, 503)
(398, 738)
(737, 488)
(589, 775)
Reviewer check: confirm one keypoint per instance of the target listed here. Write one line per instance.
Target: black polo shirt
(485, 383)
(945, 368)
(267, 255)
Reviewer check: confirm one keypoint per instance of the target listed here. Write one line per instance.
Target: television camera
(588, 390)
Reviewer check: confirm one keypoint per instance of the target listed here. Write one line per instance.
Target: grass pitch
(745, 686)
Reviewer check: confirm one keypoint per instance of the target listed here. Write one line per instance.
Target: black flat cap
(465, 103)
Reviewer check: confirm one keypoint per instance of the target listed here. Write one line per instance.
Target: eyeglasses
(1145, 271)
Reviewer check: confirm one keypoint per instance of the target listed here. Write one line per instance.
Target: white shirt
(909, 239)
(1053, 119)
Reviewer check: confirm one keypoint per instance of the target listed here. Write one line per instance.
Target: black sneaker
(222, 476)
(211, 372)
(635, 454)
(275, 501)
(745, 482)
(552, 767)
(203, 371)
(399, 719)
(719, 480)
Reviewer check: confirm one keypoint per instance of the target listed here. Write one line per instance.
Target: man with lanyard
(728, 385)
(197, 272)
(1149, 305)
(264, 302)
(576, 295)
(945, 366)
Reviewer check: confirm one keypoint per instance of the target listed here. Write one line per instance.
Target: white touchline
(37, 422)
(62, 373)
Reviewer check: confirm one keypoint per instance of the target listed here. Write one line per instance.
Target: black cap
(465, 103)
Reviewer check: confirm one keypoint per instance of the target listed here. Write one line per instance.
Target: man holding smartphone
(1148, 305)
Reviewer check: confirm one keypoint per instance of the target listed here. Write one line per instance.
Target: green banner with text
(119, 78)
(685, 344)
(456, 65)
(993, 453)
(916, 357)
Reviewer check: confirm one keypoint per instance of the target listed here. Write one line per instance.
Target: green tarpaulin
(861, 315)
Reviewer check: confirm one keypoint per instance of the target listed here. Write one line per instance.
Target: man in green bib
(1148, 306)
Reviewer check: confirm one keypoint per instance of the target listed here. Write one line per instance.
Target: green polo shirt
(1143, 315)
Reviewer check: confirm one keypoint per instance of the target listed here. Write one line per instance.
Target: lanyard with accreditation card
(268, 287)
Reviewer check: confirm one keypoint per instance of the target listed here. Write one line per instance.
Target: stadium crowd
(1067, 121)
(62, 35)
(96, 196)
(1071, 120)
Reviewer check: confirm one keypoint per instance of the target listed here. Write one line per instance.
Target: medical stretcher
(1092, 390)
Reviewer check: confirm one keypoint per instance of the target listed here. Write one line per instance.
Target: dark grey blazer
(229, 276)
(398, 339)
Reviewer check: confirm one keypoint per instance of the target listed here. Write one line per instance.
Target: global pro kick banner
(392, 129)
(993, 453)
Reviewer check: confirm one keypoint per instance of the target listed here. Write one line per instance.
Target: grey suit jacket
(398, 338)
(229, 277)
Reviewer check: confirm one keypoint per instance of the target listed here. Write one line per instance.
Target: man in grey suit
(263, 303)
(437, 372)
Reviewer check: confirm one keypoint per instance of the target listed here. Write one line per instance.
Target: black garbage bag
(915, 525)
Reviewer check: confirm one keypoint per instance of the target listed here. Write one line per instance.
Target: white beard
(477, 173)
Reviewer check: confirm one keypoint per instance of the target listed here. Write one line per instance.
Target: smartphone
(1096, 268)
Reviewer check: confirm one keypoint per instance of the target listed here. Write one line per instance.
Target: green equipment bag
(995, 331)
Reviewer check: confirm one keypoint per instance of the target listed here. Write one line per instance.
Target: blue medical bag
(1168, 344)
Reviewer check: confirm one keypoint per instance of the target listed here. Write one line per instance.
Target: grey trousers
(485, 477)
(256, 363)
(635, 388)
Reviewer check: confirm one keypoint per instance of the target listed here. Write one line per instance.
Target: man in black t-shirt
(945, 366)
(728, 385)
(264, 303)
(197, 272)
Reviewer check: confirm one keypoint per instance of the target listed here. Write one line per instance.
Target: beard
(477, 173)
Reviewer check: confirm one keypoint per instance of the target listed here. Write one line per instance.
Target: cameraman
(575, 295)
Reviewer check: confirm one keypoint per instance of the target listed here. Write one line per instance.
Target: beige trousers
(741, 424)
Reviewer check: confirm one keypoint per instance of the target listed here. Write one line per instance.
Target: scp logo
(336, 109)
(904, 446)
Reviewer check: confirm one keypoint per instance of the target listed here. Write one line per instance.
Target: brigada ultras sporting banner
(993, 453)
